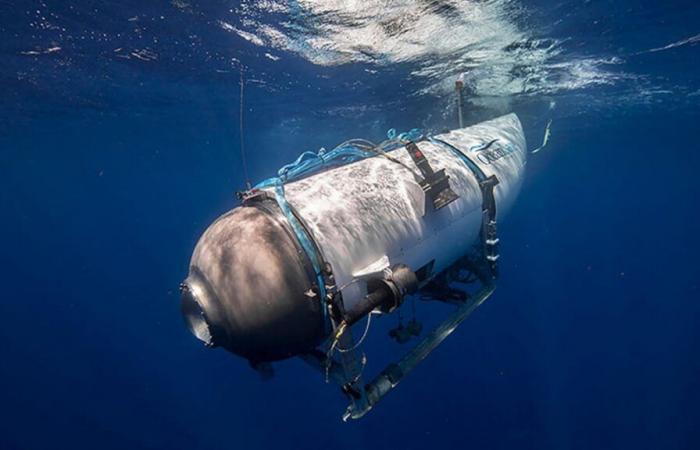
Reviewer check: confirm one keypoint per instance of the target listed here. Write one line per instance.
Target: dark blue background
(110, 171)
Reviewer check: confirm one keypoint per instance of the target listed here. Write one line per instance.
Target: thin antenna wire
(240, 116)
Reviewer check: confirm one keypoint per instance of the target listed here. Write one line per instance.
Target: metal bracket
(394, 373)
(347, 373)
(435, 184)
(489, 235)
(250, 194)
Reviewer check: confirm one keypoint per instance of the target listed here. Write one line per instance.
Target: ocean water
(120, 143)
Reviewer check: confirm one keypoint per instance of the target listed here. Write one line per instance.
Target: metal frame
(347, 372)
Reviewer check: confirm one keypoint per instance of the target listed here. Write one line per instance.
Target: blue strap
(306, 243)
(411, 135)
(308, 163)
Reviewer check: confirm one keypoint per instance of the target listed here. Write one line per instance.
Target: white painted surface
(364, 211)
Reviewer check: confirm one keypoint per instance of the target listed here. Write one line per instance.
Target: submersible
(341, 235)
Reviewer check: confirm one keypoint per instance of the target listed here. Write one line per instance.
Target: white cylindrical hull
(373, 210)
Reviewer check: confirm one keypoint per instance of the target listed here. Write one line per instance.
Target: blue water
(119, 144)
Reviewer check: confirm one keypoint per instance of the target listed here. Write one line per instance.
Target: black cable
(243, 158)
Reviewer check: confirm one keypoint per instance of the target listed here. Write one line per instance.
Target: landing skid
(347, 372)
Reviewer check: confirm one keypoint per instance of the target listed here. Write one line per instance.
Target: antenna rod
(459, 85)
(240, 116)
